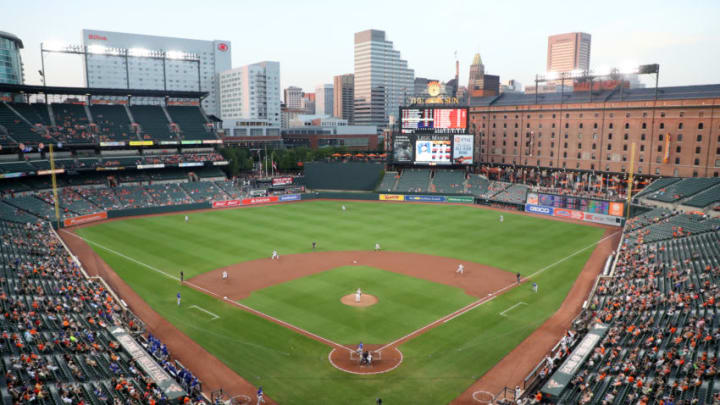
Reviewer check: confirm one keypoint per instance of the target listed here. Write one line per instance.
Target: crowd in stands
(662, 307)
(56, 347)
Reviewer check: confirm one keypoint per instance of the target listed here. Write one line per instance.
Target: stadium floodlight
(602, 71)
(174, 55)
(52, 46)
(629, 68)
(97, 49)
(140, 52)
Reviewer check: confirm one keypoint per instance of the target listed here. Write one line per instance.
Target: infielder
(517, 276)
(358, 295)
(460, 270)
(182, 277)
(534, 285)
(260, 399)
(275, 255)
(224, 275)
(377, 247)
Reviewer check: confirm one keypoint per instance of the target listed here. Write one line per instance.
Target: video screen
(434, 120)
(577, 203)
(433, 149)
(402, 149)
(463, 146)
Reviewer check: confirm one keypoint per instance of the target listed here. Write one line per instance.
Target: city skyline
(512, 47)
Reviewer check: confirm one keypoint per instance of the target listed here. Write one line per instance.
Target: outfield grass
(313, 303)
(294, 369)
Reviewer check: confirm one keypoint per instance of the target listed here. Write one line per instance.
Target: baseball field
(275, 322)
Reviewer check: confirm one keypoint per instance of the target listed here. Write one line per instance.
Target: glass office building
(11, 68)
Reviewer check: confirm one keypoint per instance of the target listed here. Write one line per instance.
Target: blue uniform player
(178, 298)
(260, 399)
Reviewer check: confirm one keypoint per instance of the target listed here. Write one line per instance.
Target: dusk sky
(313, 40)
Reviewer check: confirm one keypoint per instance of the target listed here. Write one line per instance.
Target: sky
(313, 39)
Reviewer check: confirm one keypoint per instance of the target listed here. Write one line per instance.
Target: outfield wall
(362, 176)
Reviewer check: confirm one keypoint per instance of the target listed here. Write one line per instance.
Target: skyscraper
(251, 92)
(480, 84)
(568, 52)
(11, 66)
(343, 97)
(156, 63)
(382, 79)
(293, 97)
(324, 99)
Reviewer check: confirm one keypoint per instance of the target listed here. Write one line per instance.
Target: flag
(274, 166)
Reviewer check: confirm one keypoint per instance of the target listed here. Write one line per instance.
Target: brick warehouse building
(676, 133)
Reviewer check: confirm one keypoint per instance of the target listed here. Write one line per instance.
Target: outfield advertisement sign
(566, 213)
(426, 198)
(256, 200)
(538, 209)
(290, 197)
(167, 384)
(565, 373)
(603, 219)
(282, 181)
(460, 199)
(84, 219)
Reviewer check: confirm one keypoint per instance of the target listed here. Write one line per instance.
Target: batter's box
(376, 356)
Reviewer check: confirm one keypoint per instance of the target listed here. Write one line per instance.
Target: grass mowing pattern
(312, 303)
(293, 369)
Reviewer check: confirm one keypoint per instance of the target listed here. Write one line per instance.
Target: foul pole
(630, 179)
(54, 186)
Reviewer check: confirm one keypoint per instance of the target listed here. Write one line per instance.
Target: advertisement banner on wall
(84, 219)
(392, 197)
(259, 200)
(566, 213)
(538, 209)
(461, 199)
(426, 198)
(603, 219)
(226, 203)
(290, 197)
(282, 181)
(532, 198)
(616, 209)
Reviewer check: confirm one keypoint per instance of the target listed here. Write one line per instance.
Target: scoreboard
(433, 120)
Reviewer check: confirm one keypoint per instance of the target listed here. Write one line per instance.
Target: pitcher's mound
(365, 300)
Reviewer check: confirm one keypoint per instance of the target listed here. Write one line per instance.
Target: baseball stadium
(150, 258)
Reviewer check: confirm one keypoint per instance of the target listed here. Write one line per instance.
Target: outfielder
(460, 270)
(178, 299)
(343, 208)
(358, 295)
(535, 287)
(187, 219)
(224, 275)
(501, 219)
(275, 255)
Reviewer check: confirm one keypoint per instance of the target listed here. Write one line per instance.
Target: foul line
(155, 269)
(206, 311)
(491, 296)
(512, 307)
(199, 288)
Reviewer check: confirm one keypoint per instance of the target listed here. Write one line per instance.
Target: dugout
(361, 176)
